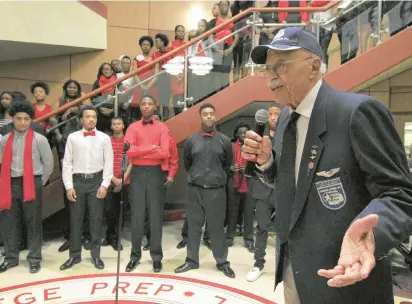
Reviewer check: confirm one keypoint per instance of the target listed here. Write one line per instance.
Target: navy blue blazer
(353, 164)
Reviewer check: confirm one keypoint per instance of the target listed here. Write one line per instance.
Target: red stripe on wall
(96, 6)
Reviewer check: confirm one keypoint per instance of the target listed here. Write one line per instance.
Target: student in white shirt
(87, 172)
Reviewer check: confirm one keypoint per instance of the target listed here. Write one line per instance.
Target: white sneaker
(254, 274)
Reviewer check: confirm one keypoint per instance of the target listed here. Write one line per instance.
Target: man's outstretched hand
(357, 255)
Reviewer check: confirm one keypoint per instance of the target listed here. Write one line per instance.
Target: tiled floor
(241, 261)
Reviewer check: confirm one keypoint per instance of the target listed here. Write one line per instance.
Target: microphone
(261, 118)
(126, 147)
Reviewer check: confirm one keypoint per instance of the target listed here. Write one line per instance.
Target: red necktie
(91, 133)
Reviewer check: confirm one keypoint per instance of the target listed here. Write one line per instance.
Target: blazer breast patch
(331, 193)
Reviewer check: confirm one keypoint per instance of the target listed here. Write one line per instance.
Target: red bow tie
(208, 134)
(91, 133)
(146, 122)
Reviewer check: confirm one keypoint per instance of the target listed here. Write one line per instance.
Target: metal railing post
(116, 102)
(379, 22)
(317, 26)
(186, 88)
(253, 40)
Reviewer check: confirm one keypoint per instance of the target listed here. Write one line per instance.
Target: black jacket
(355, 134)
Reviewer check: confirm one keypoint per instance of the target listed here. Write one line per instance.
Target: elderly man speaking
(339, 169)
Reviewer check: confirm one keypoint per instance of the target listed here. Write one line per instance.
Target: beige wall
(50, 22)
(396, 94)
(126, 22)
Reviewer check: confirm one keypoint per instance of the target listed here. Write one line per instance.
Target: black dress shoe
(34, 267)
(186, 267)
(250, 247)
(64, 247)
(207, 244)
(182, 244)
(98, 263)
(70, 263)
(229, 243)
(114, 245)
(146, 247)
(227, 271)
(157, 266)
(6, 266)
(131, 266)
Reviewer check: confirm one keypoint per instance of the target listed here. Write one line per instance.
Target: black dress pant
(243, 205)
(112, 211)
(185, 228)
(209, 204)
(147, 193)
(66, 224)
(32, 218)
(264, 211)
(86, 191)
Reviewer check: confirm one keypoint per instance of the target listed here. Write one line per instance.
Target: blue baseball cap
(288, 39)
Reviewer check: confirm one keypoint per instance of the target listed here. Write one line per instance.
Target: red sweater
(142, 138)
(173, 164)
(37, 114)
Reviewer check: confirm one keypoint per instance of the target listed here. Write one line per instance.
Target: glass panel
(230, 64)
(399, 15)
(359, 27)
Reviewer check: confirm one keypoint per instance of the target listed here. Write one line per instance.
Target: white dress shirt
(305, 110)
(87, 155)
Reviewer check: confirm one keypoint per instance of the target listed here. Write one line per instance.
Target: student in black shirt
(207, 160)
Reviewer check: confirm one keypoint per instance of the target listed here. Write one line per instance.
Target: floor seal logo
(143, 288)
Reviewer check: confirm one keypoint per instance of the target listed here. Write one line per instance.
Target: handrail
(185, 46)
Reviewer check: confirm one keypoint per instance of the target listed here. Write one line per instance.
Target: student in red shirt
(223, 51)
(40, 90)
(112, 206)
(170, 173)
(146, 44)
(149, 154)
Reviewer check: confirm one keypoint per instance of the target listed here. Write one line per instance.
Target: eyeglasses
(280, 67)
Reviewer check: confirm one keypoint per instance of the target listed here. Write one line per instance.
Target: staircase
(381, 62)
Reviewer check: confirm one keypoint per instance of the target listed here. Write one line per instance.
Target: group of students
(92, 176)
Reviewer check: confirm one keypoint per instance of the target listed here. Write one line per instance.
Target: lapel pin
(310, 167)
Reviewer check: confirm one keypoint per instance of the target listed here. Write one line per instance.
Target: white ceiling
(15, 50)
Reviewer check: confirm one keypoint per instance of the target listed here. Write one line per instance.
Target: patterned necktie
(91, 133)
(147, 122)
(286, 179)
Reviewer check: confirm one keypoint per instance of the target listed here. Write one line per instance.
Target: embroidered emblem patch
(331, 193)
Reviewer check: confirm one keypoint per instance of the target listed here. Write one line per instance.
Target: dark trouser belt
(87, 176)
(208, 186)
